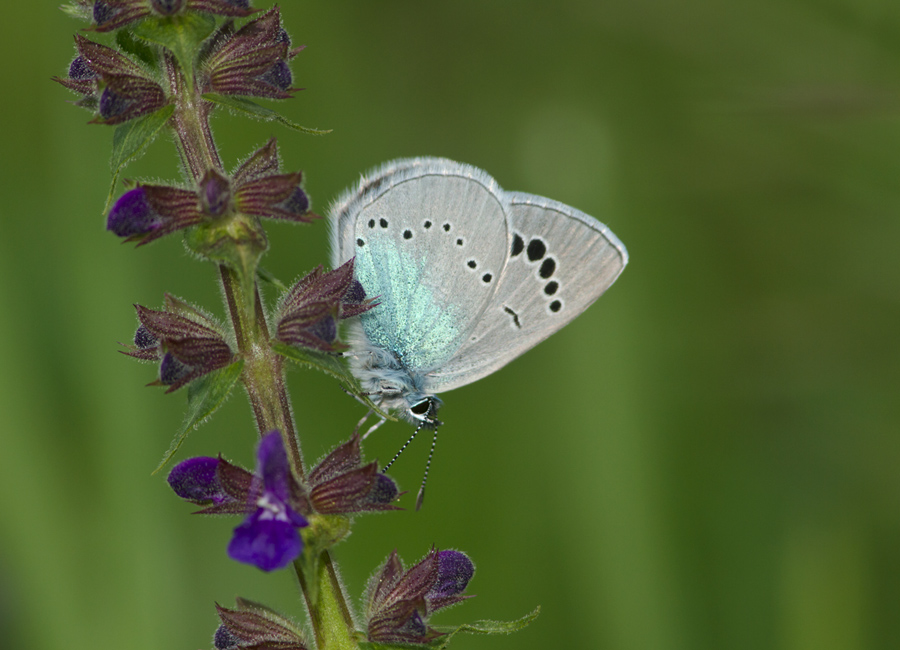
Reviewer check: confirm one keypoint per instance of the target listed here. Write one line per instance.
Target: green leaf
(205, 396)
(132, 138)
(479, 627)
(484, 627)
(181, 35)
(261, 112)
(138, 49)
(269, 278)
(330, 365)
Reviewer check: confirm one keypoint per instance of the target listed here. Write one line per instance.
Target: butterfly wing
(430, 238)
(560, 261)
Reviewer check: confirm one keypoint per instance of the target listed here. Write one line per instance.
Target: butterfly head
(422, 410)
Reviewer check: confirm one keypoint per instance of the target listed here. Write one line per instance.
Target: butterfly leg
(373, 427)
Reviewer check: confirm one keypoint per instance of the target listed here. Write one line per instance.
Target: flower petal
(272, 466)
(268, 544)
(195, 480)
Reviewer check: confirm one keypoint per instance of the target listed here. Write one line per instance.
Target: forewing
(430, 239)
(560, 261)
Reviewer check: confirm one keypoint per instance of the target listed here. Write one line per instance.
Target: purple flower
(195, 480)
(269, 537)
(132, 215)
(400, 602)
(271, 499)
(149, 212)
(214, 482)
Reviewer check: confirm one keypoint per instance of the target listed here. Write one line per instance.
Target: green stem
(263, 374)
(328, 611)
(190, 120)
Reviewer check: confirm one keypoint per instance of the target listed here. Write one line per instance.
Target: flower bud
(215, 193)
(167, 7)
(399, 602)
(251, 61)
(184, 341)
(149, 212)
(309, 310)
(195, 479)
(133, 215)
(254, 626)
(128, 97)
(144, 339)
(225, 640)
(172, 371)
(112, 14)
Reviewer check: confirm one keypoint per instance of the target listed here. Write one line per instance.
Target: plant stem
(190, 120)
(328, 612)
(263, 374)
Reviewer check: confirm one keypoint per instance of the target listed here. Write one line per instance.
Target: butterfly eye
(421, 408)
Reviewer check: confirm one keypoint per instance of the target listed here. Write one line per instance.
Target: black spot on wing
(518, 245)
(515, 316)
(536, 250)
(548, 266)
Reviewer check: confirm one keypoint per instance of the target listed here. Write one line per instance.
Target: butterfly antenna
(405, 445)
(421, 496)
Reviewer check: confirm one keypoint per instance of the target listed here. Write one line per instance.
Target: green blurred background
(707, 458)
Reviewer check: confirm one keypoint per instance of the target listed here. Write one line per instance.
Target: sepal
(111, 84)
(251, 625)
(109, 15)
(341, 484)
(308, 313)
(251, 61)
(184, 341)
(399, 602)
(113, 14)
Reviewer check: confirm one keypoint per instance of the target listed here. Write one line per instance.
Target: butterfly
(467, 277)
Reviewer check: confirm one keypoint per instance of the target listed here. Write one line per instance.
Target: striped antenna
(405, 445)
(421, 496)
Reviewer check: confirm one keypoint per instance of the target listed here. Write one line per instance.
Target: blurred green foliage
(707, 458)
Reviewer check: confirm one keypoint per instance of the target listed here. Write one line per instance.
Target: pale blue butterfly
(467, 275)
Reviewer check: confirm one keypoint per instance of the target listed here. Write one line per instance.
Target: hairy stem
(263, 374)
(328, 611)
(190, 120)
